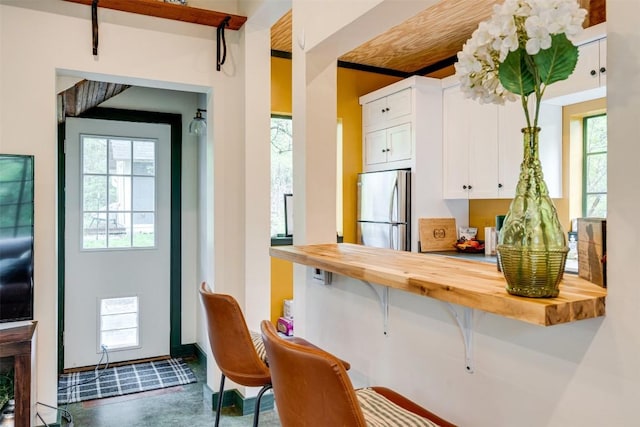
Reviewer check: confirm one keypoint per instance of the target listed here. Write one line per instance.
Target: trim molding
(234, 399)
(372, 69)
(380, 70)
(436, 66)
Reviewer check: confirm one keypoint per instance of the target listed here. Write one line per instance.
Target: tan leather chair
(312, 388)
(232, 347)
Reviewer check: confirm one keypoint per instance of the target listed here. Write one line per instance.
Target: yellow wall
(482, 213)
(351, 85)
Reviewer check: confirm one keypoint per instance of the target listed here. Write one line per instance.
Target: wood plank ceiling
(425, 44)
(85, 95)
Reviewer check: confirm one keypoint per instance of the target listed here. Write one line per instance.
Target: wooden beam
(177, 12)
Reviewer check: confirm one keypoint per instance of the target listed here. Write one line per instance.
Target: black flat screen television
(16, 237)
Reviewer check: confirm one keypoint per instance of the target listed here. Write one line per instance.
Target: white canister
(490, 241)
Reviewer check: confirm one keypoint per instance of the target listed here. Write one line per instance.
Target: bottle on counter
(499, 222)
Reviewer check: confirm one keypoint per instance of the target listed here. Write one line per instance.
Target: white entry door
(117, 241)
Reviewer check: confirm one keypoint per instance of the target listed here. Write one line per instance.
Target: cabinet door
(584, 77)
(399, 143)
(375, 111)
(455, 145)
(603, 62)
(375, 147)
(511, 120)
(481, 121)
(398, 104)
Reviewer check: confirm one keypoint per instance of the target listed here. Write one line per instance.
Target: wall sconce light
(198, 125)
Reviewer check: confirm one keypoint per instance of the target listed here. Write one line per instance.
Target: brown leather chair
(312, 388)
(232, 347)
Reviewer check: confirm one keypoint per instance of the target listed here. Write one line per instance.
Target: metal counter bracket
(383, 299)
(465, 323)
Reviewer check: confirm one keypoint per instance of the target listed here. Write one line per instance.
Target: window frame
(282, 237)
(131, 175)
(585, 157)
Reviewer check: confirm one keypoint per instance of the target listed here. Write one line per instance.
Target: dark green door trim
(175, 121)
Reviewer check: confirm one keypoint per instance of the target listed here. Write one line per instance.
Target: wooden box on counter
(437, 234)
(592, 250)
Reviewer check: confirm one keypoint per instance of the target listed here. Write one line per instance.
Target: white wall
(578, 374)
(133, 49)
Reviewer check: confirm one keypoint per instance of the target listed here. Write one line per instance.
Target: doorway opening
(174, 297)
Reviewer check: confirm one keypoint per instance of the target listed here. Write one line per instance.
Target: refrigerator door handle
(393, 203)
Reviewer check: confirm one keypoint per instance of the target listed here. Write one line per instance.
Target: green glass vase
(532, 248)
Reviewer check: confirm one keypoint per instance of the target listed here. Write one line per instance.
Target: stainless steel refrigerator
(384, 209)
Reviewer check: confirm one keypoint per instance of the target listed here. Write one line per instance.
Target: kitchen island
(472, 284)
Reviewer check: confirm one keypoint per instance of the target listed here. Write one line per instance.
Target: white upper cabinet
(392, 118)
(483, 146)
(470, 150)
(589, 79)
(387, 108)
(388, 145)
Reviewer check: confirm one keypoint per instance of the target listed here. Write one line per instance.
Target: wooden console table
(18, 343)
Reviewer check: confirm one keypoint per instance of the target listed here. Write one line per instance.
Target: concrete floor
(181, 406)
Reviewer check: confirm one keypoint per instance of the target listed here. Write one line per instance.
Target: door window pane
(144, 158)
(144, 193)
(118, 202)
(120, 157)
(94, 197)
(94, 154)
(144, 234)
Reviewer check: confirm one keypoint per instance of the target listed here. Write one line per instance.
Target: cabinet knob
(469, 187)
(499, 185)
(382, 111)
(603, 70)
(464, 187)
(593, 72)
(386, 109)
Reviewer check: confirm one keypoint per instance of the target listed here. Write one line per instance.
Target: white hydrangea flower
(513, 24)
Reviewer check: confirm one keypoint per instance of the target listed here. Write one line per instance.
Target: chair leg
(220, 396)
(256, 412)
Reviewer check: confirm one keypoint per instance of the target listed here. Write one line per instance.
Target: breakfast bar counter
(472, 284)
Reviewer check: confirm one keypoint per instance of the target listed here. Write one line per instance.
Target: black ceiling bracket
(94, 26)
(221, 57)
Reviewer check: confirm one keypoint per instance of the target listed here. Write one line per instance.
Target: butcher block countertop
(468, 283)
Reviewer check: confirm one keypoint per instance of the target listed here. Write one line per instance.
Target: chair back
(311, 386)
(230, 340)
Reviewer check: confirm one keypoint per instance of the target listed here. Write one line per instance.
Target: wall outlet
(322, 276)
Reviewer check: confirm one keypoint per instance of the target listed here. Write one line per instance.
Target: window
(594, 200)
(118, 192)
(282, 176)
(119, 323)
(281, 170)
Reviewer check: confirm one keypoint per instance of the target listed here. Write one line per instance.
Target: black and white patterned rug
(120, 380)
